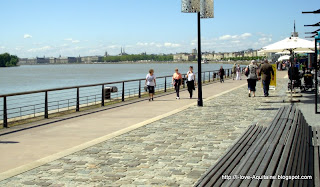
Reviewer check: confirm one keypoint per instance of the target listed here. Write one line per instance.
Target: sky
(50, 28)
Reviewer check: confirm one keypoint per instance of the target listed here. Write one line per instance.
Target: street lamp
(317, 41)
(204, 9)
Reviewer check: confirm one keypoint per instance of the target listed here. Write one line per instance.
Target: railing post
(209, 76)
(102, 96)
(78, 100)
(139, 88)
(165, 84)
(5, 116)
(204, 77)
(122, 91)
(46, 106)
(184, 78)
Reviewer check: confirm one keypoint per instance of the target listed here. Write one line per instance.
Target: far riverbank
(153, 62)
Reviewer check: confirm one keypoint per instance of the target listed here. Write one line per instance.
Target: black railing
(24, 105)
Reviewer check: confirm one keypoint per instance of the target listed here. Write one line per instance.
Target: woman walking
(151, 83)
(176, 81)
(221, 73)
(252, 71)
(191, 81)
(238, 70)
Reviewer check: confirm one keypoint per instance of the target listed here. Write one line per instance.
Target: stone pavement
(173, 151)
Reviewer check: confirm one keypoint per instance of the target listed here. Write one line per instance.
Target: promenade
(167, 142)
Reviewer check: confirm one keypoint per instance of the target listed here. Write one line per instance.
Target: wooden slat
(305, 165)
(316, 177)
(211, 172)
(300, 158)
(235, 162)
(280, 156)
(248, 160)
(268, 151)
(295, 156)
(305, 161)
(234, 159)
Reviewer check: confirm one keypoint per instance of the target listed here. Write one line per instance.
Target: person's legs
(249, 87)
(254, 84)
(265, 88)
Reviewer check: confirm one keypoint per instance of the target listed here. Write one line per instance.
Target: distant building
(91, 59)
(194, 51)
(183, 57)
(123, 52)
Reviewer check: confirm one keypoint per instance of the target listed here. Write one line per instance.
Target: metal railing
(42, 103)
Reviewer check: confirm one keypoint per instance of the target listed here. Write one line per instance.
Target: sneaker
(178, 97)
(149, 99)
(249, 95)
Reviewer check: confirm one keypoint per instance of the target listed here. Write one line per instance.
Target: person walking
(191, 81)
(238, 70)
(234, 69)
(252, 70)
(151, 83)
(177, 81)
(221, 74)
(265, 72)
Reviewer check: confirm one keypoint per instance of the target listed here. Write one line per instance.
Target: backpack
(246, 73)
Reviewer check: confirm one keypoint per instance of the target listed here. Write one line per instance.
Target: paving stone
(174, 151)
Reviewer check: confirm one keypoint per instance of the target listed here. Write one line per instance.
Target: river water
(38, 77)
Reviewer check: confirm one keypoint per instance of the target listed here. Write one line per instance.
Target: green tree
(7, 60)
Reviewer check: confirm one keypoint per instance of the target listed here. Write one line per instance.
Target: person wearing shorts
(151, 83)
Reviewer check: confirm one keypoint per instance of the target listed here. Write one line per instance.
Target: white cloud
(72, 40)
(245, 35)
(168, 44)
(40, 49)
(27, 36)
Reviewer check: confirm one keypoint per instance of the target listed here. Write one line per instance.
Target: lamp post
(204, 9)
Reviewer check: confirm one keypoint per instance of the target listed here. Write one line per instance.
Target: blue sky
(90, 27)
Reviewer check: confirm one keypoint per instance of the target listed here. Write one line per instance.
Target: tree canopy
(7, 60)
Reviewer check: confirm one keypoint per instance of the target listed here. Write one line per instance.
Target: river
(37, 77)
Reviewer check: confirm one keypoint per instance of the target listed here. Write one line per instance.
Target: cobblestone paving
(174, 151)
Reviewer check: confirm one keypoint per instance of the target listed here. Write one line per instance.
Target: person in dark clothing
(266, 71)
(221, 74)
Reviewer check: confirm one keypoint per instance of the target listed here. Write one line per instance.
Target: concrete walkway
(174, 149)
(27, 146)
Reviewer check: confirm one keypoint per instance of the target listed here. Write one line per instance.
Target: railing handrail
(83, 86)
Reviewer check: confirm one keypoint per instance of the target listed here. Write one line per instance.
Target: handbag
(246, 73)
(146, 88)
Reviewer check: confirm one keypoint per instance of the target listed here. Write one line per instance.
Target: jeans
(177, 87)
(266, 84)
(190, 85)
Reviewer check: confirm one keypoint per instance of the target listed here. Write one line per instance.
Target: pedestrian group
(252, 71)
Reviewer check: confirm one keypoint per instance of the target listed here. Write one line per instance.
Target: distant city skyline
(87, 28)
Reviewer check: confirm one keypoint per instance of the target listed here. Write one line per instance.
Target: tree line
(7, 60)
(135, 58)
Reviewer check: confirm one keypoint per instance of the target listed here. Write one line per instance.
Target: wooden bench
(283, 148)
